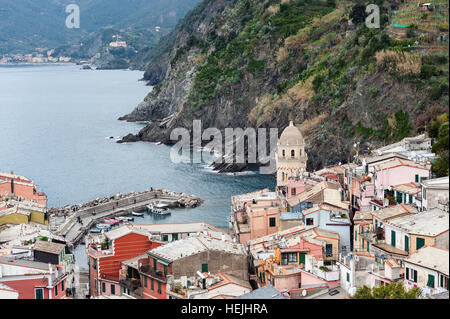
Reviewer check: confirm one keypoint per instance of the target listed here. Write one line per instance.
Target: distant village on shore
(379, 220)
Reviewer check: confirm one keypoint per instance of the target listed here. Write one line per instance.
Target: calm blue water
(54, 121)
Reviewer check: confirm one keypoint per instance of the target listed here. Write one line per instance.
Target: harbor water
(59, 127)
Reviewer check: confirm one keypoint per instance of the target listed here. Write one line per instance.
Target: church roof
(291, 136)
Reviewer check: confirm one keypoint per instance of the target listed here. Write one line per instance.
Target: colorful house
(396, 172)
(207, 286)
(188, 256)
(13, 186)
(106, 253)
(405, 234)
(427, 269)
(33, 280)
(255, 214)
(294, 258)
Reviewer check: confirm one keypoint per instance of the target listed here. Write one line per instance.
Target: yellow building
(15, 216)
(24, 214)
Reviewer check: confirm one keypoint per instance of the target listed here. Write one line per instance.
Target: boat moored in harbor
(137, 214)
(159, 209)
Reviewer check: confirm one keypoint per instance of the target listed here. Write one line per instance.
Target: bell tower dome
(291, 155)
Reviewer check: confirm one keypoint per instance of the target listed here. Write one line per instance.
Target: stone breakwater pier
(72, 222)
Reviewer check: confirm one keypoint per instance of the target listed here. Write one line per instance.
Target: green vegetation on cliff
(259, 63)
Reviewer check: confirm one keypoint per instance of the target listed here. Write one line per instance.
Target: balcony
(149, 271)
(98, 252)
(132, 283)
(328, 273)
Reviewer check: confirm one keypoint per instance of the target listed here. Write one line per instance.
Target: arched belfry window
(292, 153)
(284, 153)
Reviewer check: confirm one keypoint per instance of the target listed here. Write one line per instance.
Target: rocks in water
(129, 138)
(229, 168)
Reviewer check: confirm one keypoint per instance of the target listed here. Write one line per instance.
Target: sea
(59, 127)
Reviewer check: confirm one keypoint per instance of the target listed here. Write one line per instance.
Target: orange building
(107, 251)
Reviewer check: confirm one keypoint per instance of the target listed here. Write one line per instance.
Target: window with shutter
(430, 282)
(420, 242)
(39, 293)
(392, 238)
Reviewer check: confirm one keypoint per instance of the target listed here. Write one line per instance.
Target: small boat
(112, 221)
(109, 222)
(137, 214)
(126, 219)
(95, 231)
(159, 209)
(103, 226)
(162, 211)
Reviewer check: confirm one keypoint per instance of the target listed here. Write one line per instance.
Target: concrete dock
(72, 230)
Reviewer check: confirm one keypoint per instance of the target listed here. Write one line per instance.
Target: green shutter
(399, 198)
(301, 259)
(430, 282)
(407, 244)
(392, 238)
(420, 242)
(348, 277)
(356, 235)
(204, 267)
(417, 178)
(368, 246)
(39, 293)
(154, 264)
(152, 284)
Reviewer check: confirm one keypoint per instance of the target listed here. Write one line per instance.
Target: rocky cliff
(245, 63)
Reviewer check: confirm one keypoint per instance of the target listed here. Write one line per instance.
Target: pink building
(395, 172)
(295, 187)
(293, 259)
(255, 214)
(16, 186)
